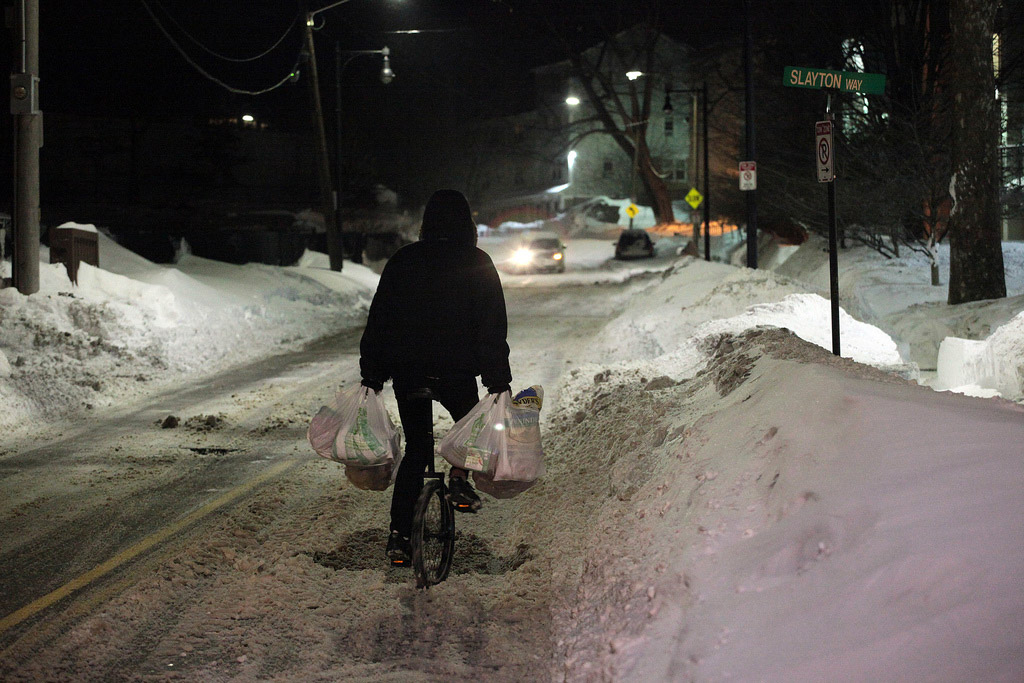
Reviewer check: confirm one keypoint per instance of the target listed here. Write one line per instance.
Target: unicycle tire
(433, 535)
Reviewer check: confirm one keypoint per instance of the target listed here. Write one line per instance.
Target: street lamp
(386, 76)
(703, 92)
(335, 250)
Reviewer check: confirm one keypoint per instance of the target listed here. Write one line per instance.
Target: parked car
(634, 244)
(539, 252)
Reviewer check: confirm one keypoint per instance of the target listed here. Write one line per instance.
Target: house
(535, 165)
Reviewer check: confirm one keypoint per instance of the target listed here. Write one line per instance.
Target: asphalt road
(84, 506)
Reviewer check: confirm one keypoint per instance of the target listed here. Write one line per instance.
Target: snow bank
(131, 325)
(697, 299)
(896, 294)
(784, 515)
(993, 366)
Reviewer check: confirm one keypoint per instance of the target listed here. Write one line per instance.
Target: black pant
(457, 396)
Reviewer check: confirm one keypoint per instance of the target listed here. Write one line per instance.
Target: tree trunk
(975, 247)
(656, 188)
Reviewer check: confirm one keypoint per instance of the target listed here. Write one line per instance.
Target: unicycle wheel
(433, 535)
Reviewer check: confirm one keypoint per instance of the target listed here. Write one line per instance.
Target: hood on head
(448, 216)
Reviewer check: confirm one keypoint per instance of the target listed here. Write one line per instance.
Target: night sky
(469, 59)
(107, 57)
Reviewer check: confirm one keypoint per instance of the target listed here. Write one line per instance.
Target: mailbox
(72, 246)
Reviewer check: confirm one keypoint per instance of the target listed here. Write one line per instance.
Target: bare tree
(619, 37)
(625, 115)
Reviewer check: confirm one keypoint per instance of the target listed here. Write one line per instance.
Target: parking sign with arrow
(824, 154)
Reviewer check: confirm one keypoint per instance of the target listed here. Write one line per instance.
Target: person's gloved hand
(373, 384)
(497, 389)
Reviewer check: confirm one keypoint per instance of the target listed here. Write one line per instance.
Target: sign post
(825, 153)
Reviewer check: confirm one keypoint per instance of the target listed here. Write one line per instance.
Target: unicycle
(433, 531)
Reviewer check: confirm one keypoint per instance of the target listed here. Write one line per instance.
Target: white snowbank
(990, 367)
(131, 325)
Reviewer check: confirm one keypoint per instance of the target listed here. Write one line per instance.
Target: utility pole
(334, 248)
(707, 176)
(28, 138)
(337, 150)
(748, 70)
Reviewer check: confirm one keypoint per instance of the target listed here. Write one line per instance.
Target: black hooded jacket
(439, 310)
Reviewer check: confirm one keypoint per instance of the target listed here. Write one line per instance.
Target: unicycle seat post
(428, 394)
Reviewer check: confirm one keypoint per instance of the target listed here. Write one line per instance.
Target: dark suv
(634, 244)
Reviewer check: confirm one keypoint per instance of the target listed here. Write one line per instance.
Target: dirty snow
(725, 499)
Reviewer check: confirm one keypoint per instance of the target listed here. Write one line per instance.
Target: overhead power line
(209, 51)
(208, 75)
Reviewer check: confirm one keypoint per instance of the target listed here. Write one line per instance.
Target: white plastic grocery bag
(323, 429)
(523, 458)
(500, 439)
(367, 436)
(355, 429)
(475, 441)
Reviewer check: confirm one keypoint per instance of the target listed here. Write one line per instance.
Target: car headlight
(557, 256)
(522, 257)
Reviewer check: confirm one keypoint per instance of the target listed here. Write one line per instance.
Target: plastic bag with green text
(355, 430)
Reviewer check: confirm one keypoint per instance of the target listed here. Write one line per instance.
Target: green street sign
(843, 81)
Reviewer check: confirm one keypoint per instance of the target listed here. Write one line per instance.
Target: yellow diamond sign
(632, 210)
(694, 198)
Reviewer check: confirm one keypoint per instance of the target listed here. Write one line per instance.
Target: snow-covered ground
(131, 326)
(723, 501)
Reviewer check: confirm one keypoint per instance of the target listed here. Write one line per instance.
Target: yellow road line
(142, 546)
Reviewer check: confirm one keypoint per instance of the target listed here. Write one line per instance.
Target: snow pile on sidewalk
(784, 515)
(131, 325)
(696, 299)
(990, 367)
(896, 295)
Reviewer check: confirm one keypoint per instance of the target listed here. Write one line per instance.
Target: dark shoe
(462, 496)
(398, 551)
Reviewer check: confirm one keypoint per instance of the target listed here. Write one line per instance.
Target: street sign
(748, 175)
(693, 197)
(632, 210)
(843, 81)
(824, 153)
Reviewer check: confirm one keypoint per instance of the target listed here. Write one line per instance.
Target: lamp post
(703, 92)
(335, 250)
(386, 76)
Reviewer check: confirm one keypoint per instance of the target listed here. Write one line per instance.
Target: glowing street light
(572, 100)
(248, 118)
(633, 75)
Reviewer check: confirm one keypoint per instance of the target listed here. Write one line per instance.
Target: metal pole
(833, 266)
(337, 146)
(748, 69)
(334, 249)
(833, 246)
(693, 171)
(707, 186)
(28, 132)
